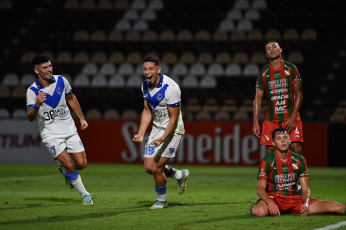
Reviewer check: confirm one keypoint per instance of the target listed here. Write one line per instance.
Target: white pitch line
(28, 178)
(333, 226)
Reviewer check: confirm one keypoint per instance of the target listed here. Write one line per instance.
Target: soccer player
(162, 106)
(277, 184)
(46, 101)
(281, 82)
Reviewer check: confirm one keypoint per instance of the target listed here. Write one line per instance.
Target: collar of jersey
(160, 83)
(40, 86)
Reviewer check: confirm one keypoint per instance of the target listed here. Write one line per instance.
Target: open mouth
(149, 77)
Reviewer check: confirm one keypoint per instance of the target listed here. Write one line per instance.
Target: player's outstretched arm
(73, 102)
(145, 121)
(304, 183)
(256, 111)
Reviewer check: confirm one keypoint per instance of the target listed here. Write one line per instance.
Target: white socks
(78, 185)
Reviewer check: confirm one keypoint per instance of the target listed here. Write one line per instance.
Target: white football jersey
(54, 118)
(166, 94)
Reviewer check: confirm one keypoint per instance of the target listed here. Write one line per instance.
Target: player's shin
(77, 183)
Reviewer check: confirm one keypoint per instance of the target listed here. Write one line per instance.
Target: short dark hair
(39, 59)
(270, 42)
(278, 130)
(153, 59)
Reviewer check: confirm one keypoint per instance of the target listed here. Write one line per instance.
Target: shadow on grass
(173, 204)
(64, 218)
(10, 206)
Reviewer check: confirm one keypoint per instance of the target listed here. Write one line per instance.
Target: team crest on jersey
(59, 90)
(295, 166)
(160, 96)
(287, 73)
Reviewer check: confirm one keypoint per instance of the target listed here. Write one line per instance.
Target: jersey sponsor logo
(280, 83)
(161, 113)
(54, 113)
(284, 90)
(285, 178)
(281, 109)
(280, 97)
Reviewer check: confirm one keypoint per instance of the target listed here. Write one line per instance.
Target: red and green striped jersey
(278, 86)
(282, 177)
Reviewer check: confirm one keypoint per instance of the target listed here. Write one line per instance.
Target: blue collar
(39, 85)
(160, 83)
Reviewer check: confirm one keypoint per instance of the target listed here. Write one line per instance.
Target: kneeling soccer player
(277, 184)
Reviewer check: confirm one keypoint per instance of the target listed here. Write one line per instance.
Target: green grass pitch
(217, 197)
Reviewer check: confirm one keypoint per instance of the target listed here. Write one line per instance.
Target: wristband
(36, 107)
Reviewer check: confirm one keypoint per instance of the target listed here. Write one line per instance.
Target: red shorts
(289, 204)
(268, 128)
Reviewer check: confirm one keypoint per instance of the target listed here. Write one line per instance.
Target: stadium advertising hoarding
(207, 143)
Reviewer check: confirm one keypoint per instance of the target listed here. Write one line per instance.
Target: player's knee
(156, 170)
(337, 207)
(258, 211)
(82, 165)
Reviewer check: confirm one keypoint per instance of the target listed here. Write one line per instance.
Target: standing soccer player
(162, 106)
(46, 100)
(281, 82)
(277, 185)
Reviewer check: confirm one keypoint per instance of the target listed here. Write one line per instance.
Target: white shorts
(58, 144)
(167, 149)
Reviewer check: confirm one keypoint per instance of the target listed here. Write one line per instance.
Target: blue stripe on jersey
(157, 98)
(29, 106)
(174, 105)
(53, 100)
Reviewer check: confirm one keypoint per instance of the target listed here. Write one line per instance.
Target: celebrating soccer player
(277, 184)
(281, 82)
(46, 100)
(162, 106)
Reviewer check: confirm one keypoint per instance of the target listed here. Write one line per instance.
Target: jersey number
(149, 150)
(49, 115)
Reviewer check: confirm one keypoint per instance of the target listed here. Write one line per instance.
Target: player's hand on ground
(83, 124)
(273, 209)
(304, 210)
(256, 130)
(158, 141)
(291, 123)
(137, 138)
(41, 97)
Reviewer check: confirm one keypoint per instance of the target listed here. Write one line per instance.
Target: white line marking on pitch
(28, 178)
(333, 226)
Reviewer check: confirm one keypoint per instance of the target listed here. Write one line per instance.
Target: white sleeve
(68, 88)
(173, 96)
(30, 98)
